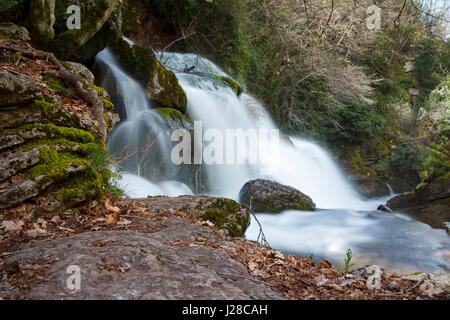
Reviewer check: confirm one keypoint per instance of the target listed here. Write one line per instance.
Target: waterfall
(141, 138)
(299, 163)
(345, 218)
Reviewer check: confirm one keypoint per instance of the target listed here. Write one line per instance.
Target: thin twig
(261, 234)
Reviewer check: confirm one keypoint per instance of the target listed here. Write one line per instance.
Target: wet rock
(175, 119)
(141, 266)
(382, 207)
(17, 89)
(161, 84)
(272, 197)
(429, 203)
(368, 185)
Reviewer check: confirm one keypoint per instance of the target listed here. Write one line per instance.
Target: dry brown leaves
(36, 65)
(291, 276)
(25, 275)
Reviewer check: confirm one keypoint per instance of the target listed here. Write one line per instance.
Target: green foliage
(311, 257)
(437, 160)
(432, 64)
(102, 163)
(348, 260)
(406, 157)
(13, 10)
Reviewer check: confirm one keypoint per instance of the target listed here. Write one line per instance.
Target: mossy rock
(272, 197)
(235, 86)
(161, 84)
(226, 214)
(68, 42)
(175, 119)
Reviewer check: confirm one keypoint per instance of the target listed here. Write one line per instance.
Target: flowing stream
(345, 218)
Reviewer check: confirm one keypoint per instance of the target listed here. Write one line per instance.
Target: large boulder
(160, 83)
(429, 203)
(74, 43)
(272, 197)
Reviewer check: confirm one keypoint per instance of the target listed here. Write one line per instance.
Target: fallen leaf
(12, 226)
(113, 218)
(111, 208)
(36, 230)
(252, 265)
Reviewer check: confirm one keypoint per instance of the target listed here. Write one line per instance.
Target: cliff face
(51, 139)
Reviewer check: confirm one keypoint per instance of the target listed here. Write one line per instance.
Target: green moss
(65, 64)
(146, 68)
(84, 187)
(82, 149)
(225, 214)
(108, 104)
(172, 95)
(215, 216)
(100, 90)
(54, 113)
(62, 132)
(54, 166)
(47, 107)
(173, 114)
(233, 84)
(55, 84)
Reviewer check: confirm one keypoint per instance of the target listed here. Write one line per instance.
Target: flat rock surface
(133, 265)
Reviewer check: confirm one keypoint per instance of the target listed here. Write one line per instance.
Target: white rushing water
(141, 128)
(345, 218)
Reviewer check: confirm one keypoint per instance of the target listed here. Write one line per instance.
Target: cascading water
(143, 131)
(345, 219)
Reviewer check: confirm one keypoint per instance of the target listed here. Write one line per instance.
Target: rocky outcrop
(96, 14)
(159, 248)
(50, 149)
(161, 84)
(429, 203)
(131, 265)
(229, 216)
(368, 185)
(272, 197)
(18, 89)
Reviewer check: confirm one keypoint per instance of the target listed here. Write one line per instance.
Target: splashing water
(345, 220)
(142, 131)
